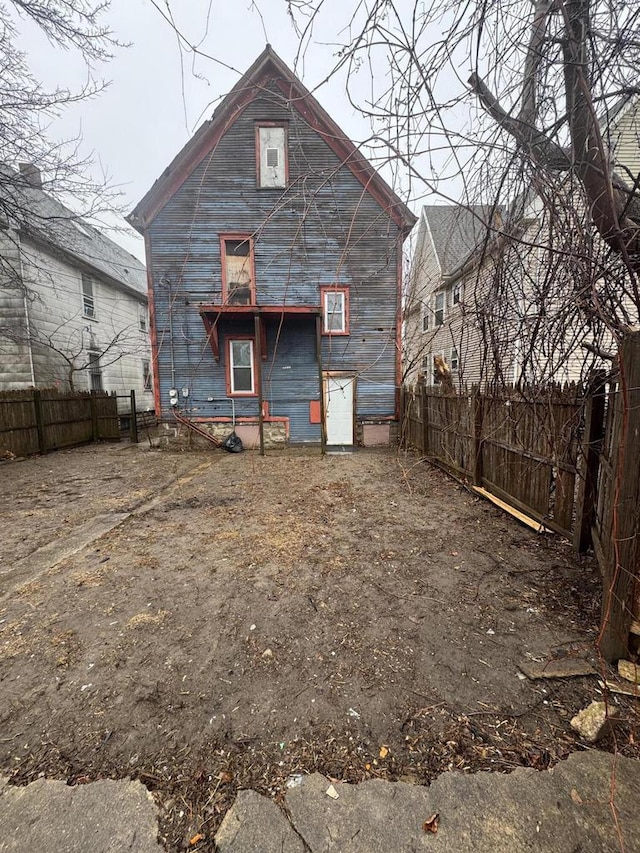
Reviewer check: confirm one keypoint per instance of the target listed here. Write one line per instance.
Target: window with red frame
(238, 279)
(335, 311)
(241, 367)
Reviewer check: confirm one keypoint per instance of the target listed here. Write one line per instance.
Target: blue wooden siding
(324, 229)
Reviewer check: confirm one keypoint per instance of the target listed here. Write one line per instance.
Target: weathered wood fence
(38, 420)
(524, 449)
(568, 458)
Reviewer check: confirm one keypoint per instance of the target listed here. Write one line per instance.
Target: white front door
(339, 409)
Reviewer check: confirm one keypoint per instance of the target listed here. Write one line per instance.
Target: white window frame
(454, 361)
(88, 299)
(232, 367)
(425, 318)
(94, 369)
(147, 381)
(440, 295)
(143, 320)
(456, 293)
(328, 320)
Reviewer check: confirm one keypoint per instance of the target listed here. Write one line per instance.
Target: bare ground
(360, 614)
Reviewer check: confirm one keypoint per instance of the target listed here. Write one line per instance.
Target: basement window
(272, 165)
(238, 279)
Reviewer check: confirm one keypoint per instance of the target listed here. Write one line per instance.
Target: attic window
(271, 155)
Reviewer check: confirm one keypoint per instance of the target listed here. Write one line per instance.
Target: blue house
(274, 258)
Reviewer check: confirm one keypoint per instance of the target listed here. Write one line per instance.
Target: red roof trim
(268, 66)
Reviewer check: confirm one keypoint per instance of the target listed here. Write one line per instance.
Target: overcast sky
(154, 104)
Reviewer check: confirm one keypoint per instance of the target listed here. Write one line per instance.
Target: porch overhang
(211, 315)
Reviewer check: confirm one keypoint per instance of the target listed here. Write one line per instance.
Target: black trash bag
(233, 443)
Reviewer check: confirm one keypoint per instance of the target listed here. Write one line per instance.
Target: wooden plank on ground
(525, 519)
(563, 668)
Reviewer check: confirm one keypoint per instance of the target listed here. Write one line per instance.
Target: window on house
(95, 371)
(271, 156)
(146, 375)
(241, 367)
(238, 280)
(88, 301)
(456, 296)
(425, 317)
(439, 308)
(335, 311)
(453, 361)
(143, 323)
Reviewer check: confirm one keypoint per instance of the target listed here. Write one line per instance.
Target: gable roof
(268, 66)
(456, 231)
(47, 221)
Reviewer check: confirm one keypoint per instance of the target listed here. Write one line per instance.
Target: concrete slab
(103, 817)
(587, 803)
(255, 824)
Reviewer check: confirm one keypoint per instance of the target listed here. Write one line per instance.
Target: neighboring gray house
(496, 293)
(73, 304)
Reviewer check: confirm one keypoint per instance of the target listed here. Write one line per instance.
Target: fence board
(65, 420)
(520, 448)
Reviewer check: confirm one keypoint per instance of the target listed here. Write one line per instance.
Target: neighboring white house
(499, 294)
(73, 304)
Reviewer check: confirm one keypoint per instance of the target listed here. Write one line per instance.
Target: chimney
(31, 175)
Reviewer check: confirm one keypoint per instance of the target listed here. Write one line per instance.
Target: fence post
(95, 435)
(477, 408)
(133, 421)
(589, 462)
(621, 572)
(424, 409)
(37, 408)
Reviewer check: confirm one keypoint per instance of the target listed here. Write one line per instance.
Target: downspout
(25, 302)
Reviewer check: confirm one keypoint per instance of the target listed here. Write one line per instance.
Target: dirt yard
(358, 614)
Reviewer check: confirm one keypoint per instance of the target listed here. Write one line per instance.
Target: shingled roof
(456, 231)
(41, 218)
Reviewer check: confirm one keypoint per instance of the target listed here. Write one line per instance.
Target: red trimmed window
(241, 368)
(238, 269)
(335, 310)
(272, 158)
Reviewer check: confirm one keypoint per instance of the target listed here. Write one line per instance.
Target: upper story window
(238, 278)
(88, 300)
(143, 323)
(425, 317)
(438, 311)
(271, 155)
(335, 310)
(456, 293)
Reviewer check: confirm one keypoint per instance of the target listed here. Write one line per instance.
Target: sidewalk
(563, 810)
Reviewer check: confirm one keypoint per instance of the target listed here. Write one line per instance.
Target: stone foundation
(275, 434)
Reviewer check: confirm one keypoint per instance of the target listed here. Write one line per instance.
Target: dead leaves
(431, 823)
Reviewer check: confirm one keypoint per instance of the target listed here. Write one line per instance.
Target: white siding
(59, 327)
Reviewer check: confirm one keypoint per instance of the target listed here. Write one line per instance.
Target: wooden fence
(38, 420)
(568, 458)
(522, 448)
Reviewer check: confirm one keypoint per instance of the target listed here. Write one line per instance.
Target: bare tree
(549, 77)
(26, 107)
